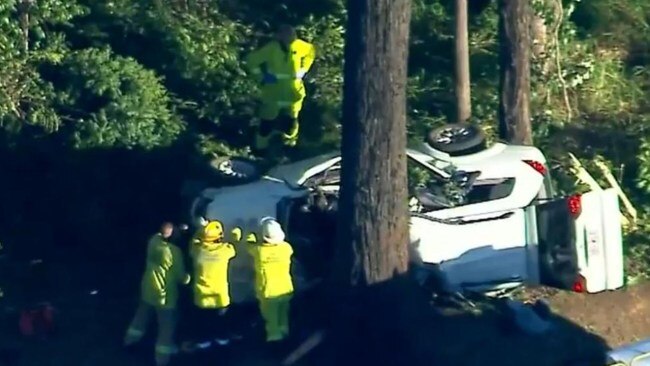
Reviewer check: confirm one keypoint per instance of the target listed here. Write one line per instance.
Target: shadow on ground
(95, 302)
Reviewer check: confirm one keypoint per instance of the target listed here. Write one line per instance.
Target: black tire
(235, 170)
(206, 173)
(457, 139)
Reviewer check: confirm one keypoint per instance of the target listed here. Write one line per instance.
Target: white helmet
(272, 232)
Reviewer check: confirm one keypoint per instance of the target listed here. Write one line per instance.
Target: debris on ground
(529, 319)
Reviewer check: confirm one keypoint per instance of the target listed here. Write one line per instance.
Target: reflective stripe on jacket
(210, 261)
(164, 272)
(285, 66)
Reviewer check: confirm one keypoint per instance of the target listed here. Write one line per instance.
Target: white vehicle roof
(298, 172)
(497, 153)
(295, 174)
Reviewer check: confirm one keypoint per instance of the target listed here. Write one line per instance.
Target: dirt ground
(618, 317)
(94, 309)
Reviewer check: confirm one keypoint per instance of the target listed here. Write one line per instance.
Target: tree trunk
(514, 64)
(374, 230)
(372, 257)
(373, 203)
(463, 102)
(24, 9)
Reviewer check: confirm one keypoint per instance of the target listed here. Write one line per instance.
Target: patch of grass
(637, 256)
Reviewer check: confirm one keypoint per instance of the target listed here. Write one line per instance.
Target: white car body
(634, 354)
(487, 245)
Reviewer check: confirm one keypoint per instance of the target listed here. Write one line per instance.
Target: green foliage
(206, 59)
(321, 130)
(27, 41)
(112, 101)
(167, 76)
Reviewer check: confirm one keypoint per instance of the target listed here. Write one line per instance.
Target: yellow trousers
(278, 118)
(165, 346)
(275, 312)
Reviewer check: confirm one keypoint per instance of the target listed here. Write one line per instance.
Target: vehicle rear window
(483, 190)
(490, 190)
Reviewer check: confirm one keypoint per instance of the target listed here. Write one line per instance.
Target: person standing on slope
(164, 273)
(211, 256)
(280, 66)
(273, 282)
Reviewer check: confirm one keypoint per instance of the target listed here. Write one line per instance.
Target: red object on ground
(37, 321)
(26, 323)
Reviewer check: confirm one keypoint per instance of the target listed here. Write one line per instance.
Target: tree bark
(514, 64)
(463, 101)
(371, 262)
(373, 203)
(24, 9)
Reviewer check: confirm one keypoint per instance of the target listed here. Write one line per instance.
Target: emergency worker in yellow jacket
(280, 66)
(211, 256)
(273, 283)
(164, 273)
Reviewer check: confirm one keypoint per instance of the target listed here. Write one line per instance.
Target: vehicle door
(482, 241)
(578, 242)
(477, 251)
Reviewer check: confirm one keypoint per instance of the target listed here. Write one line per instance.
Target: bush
(112, 101)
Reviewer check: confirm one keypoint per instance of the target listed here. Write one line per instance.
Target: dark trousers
(211, 323)
(283, 124)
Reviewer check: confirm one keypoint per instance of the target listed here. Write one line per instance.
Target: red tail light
(575, 205)
(580, 284)
(539, 167)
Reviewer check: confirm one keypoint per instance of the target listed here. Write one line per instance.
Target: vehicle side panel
(489, 250)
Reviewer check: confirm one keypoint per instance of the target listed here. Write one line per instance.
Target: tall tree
(463, 102)
(514, 64)
(373, 240)
(374, 216)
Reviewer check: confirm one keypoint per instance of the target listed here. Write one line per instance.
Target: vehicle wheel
(457, 139)
(235, 170)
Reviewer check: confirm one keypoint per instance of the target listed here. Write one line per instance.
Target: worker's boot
(163, 355)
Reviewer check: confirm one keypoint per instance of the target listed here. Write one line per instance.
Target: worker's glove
(236, 234)
(300, 74)
(268, 78)
(251, 238)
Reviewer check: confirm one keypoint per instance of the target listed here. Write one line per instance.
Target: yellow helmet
(213, 231)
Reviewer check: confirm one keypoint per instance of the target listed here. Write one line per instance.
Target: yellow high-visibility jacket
(210, 261)
(164, 272)
(272, 269)
(286, 66)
